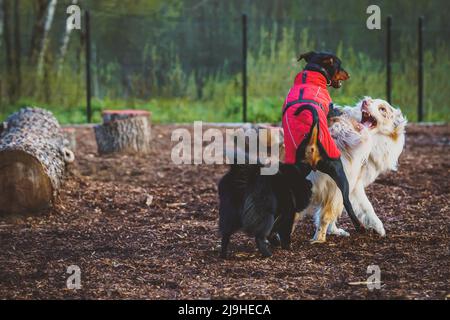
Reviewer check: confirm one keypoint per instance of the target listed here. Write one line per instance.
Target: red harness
(310, 88)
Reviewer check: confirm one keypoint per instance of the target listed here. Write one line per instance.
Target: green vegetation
(271, 73)
(188, 67)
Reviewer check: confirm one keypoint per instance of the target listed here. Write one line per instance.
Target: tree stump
(33, 157)
(126, 131)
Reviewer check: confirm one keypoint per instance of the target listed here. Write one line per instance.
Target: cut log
(125, 131)
(71, 137)
(33, 157)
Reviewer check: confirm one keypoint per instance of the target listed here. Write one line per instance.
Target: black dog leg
(274, 238)
(262, 234)
(224, 246)
(282, 228)
(336, 171)
(285, 231)
(294, 194)
(263, 247)
(286, 215)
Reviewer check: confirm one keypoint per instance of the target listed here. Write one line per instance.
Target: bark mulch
(142, 227)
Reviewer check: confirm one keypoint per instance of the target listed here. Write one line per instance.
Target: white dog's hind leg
(368, 216)
(316, 223)
(333, 229)
(329, 211)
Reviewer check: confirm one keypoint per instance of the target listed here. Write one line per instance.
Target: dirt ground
(142, 227)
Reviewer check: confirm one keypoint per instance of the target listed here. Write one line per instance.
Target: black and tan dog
(308, 143)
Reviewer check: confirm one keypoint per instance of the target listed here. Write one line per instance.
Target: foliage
(182, 59)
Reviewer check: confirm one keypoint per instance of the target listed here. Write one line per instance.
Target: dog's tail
(312, 152)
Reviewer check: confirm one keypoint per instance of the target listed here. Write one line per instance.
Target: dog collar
(320, 69)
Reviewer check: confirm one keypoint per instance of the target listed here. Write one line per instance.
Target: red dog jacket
(310, 88)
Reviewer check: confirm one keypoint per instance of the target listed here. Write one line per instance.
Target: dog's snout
(347, 75)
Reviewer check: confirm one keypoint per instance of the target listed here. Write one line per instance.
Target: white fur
(366, 153)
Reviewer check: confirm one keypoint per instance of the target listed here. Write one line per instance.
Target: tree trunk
(18, 50)
(64, 45)
(1, 21)
(8, 51)
(1, 43)
(40, 7)
(124, 131)
(33, 157)
(47, 26)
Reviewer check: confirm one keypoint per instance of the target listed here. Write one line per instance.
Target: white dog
(371, 137)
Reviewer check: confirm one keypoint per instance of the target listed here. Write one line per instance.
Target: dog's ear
(307, 56)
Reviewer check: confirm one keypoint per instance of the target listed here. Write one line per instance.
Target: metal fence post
(388, 59)
(420, 112)
(88, 67)
(244, 67)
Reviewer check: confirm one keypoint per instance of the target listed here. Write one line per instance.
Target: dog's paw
(334, 230)
(342, 233)
(263, 247)
(265, 252)
(380, 230)
(275, 239)
(318, 238)
(376, 225)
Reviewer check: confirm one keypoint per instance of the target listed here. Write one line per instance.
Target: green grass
(179, 110)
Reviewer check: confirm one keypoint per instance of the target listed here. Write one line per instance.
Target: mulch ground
(142, 227)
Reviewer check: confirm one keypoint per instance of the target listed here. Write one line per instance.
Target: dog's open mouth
(336, 83)
(367, 119)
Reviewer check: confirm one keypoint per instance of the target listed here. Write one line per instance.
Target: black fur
(253, 203)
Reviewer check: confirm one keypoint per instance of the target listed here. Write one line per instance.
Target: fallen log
(69, 134)
(126, 131)
(33, 158)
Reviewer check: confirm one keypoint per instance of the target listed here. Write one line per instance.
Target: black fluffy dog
(253, 203)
